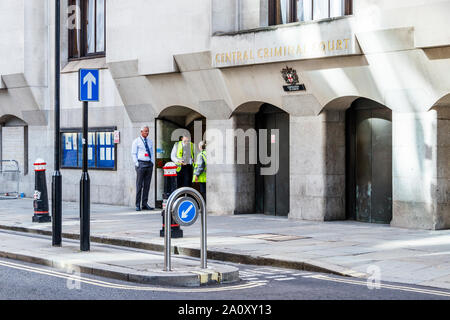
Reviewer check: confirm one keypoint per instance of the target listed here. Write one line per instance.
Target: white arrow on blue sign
(187, 211)
(89, 84)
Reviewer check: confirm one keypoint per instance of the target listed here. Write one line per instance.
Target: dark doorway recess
(171, 119)
(272, 191)
(369, 162)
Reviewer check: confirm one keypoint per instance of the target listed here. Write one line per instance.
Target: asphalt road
(24, 281)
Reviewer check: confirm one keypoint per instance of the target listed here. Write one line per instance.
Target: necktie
(147, 148)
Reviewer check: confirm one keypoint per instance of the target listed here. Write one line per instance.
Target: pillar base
(175, 233)
(42, 218)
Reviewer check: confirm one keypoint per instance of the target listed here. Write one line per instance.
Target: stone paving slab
(342, 247)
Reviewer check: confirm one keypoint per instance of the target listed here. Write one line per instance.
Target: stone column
(317, 165)
(420, 170)
(443, 167)
(230, 186)
(221, 182)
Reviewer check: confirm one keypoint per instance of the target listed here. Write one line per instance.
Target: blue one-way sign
(89, 84)
(187, 211)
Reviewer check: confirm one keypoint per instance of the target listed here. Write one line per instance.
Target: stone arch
(12, 120)
(343, 103)
(250, 107)
(213, 109)
(253, 107)
(14, 140)
(182, 115)
(442, 102)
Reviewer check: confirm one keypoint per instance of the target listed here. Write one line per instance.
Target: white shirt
(186, 153)
(139, 153)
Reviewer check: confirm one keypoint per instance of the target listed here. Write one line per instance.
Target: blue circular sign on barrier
(186, 211)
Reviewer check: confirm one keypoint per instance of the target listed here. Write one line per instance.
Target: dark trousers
(144, 177)
(203, 189)
(184, 177)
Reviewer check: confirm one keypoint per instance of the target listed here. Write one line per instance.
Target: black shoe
(147, 207)
(138, 208)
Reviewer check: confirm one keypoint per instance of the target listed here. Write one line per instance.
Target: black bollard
(40, 204)
(170, 185)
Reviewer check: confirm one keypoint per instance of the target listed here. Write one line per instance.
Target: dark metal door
(272, 191)
(370, 162)
(363, 165)
(381, 167)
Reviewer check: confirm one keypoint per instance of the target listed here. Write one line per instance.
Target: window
(101, 149)
(287, 11)
(87, 28)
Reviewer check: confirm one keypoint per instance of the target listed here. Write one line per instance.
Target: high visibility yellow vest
(180, 153)
(202, 176)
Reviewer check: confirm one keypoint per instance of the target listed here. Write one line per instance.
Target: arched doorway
(171, 122)
(269, 194)
(14, 141)
(272, 191)
(369, 162)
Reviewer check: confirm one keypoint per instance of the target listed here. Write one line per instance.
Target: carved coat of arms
(290, 76)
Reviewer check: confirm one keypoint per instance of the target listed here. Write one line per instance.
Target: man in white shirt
(183, 155)
(143, 159)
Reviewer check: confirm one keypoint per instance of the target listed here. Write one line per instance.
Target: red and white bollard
(41, 209)
(170, 185)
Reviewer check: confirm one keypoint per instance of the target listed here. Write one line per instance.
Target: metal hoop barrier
(9, 179)
(175, 202)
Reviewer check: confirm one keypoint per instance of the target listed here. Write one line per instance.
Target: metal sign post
(184, 205)
(57, 177)
(88, 91)
(85, 188)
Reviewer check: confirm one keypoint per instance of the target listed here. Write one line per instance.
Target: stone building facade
(365, 137)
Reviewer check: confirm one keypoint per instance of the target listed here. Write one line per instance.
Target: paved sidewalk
(344, 247)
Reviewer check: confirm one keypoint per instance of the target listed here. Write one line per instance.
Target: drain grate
(274, 237)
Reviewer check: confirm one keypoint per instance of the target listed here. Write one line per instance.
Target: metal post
(203, 252)
(203, 245)
(167, 262)
(57, 177)
(85, 188)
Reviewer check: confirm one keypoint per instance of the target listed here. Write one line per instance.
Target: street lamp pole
(57, 177)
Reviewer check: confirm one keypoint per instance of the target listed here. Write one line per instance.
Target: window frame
(292, 14)
(83, 52)
(79, 131)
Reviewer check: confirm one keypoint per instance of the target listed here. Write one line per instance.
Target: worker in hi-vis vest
(200, 169)
(183, 155)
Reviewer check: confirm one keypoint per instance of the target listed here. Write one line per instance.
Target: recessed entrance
(14, 141)
(272, 191)
(170, 120)
(369, 162)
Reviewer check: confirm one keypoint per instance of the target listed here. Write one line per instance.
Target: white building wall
(161, 54)
(11, 36)
(154, 31)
